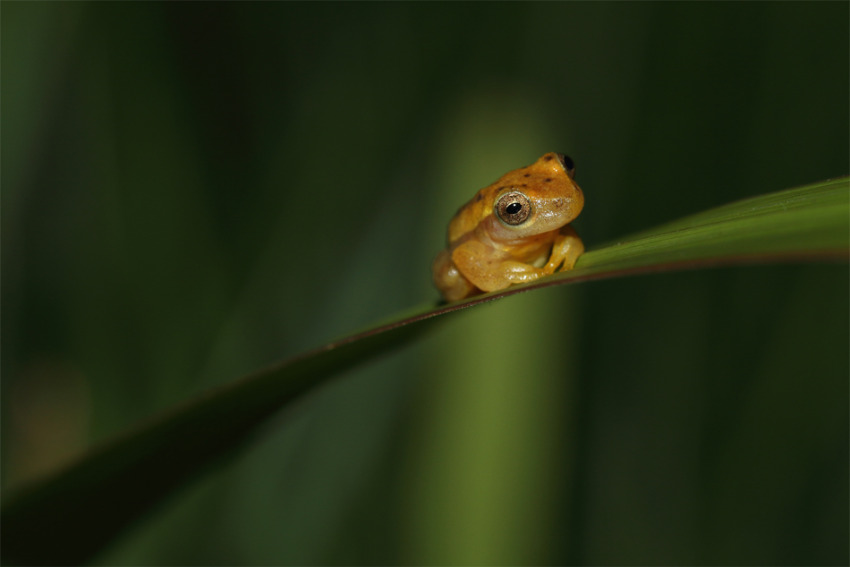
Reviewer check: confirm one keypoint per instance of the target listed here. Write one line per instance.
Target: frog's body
(514, 231)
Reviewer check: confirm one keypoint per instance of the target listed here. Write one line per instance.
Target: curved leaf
(50, 521)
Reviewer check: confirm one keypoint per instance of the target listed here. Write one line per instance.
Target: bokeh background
(191, 191)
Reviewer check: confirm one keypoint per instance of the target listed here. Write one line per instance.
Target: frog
(513, 231)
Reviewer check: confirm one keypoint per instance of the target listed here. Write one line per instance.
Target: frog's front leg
(487, 271)
(565, 251)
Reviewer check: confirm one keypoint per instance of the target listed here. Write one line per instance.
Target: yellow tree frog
(513, 231)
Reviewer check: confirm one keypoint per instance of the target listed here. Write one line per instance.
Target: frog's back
(470, 215)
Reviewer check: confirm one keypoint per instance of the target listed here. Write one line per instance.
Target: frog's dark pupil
(513, 208)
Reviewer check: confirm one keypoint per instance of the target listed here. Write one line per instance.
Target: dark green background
(190, 191)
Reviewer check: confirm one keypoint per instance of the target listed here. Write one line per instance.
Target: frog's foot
(565, 251)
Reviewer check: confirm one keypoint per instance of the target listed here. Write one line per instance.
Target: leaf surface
(67, 517)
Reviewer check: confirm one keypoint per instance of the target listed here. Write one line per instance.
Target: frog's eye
(568, 163)
(513, 208)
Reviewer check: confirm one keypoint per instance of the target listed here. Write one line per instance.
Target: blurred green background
(191, 191)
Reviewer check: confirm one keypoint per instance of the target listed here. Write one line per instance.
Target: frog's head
(536, 199)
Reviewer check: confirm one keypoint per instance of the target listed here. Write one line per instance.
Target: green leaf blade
(805, 222)
(51, 521)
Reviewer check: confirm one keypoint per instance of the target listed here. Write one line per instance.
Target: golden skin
(514, 231)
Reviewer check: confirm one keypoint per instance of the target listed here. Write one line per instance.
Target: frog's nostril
(568, 164)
